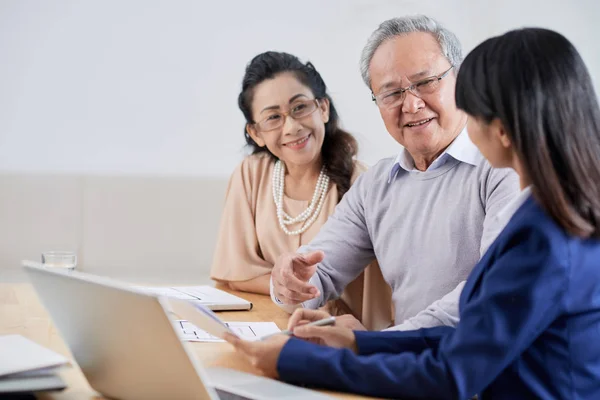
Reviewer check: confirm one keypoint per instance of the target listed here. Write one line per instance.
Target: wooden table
(22, 313)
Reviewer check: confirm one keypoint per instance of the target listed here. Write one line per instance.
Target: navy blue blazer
(529, 328)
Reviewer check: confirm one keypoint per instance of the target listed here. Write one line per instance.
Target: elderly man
(426, 215)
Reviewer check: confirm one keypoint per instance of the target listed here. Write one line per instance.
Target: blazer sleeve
(519, 297)
(415, 341)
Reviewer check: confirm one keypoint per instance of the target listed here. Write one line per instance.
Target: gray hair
(451, 48)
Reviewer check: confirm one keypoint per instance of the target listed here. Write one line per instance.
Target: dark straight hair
(339, 147)
(535, 82)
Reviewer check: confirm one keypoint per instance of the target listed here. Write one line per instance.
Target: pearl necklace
(307, 216)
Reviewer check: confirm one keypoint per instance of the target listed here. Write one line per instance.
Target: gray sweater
(426, 229)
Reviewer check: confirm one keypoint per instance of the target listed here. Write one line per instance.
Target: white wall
(150, 87)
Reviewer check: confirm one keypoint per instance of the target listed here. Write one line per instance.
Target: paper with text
(245, 330)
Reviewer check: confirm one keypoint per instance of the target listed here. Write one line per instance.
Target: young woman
(301, 165)
(530, 310)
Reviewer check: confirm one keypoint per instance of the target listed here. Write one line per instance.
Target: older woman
(280, 196)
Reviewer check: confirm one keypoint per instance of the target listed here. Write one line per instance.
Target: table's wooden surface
(21, 313)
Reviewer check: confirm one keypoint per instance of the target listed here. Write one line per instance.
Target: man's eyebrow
(423, 74)
(389, 85)
(394, 84)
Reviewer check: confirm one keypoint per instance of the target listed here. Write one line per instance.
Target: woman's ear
(324, 107)
(500, 133)
(255, 135)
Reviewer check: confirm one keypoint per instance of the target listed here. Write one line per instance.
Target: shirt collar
(461, 149)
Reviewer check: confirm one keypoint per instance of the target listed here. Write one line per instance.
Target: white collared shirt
(461, 149)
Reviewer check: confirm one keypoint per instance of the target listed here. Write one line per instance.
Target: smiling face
(297, 141)
(424, 125)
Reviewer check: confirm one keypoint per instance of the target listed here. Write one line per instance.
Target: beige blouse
(250, 239)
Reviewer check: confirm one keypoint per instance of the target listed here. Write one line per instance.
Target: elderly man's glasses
(298, 110)
(395, 97)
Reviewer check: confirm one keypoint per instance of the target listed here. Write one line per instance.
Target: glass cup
(60, 259)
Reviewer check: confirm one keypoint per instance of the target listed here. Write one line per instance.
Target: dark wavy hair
(339, 147)
(535, 82)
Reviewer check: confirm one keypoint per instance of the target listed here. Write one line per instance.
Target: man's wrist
(272, 290)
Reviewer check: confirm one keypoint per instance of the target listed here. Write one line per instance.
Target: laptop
(127, 347)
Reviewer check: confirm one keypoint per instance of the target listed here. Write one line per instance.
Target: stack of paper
(207, 296)
(25, 366)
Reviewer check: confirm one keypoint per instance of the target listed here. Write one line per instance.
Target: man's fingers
(294, 297)
(288, 297)
(311, 258)
(287, 279)
(291, 287)
(295, 284)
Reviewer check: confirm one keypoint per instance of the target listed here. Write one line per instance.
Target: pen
(322, 322)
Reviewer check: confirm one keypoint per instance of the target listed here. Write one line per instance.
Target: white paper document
(207, 296)
(245, 330)
(19, 354)
(202, 323)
